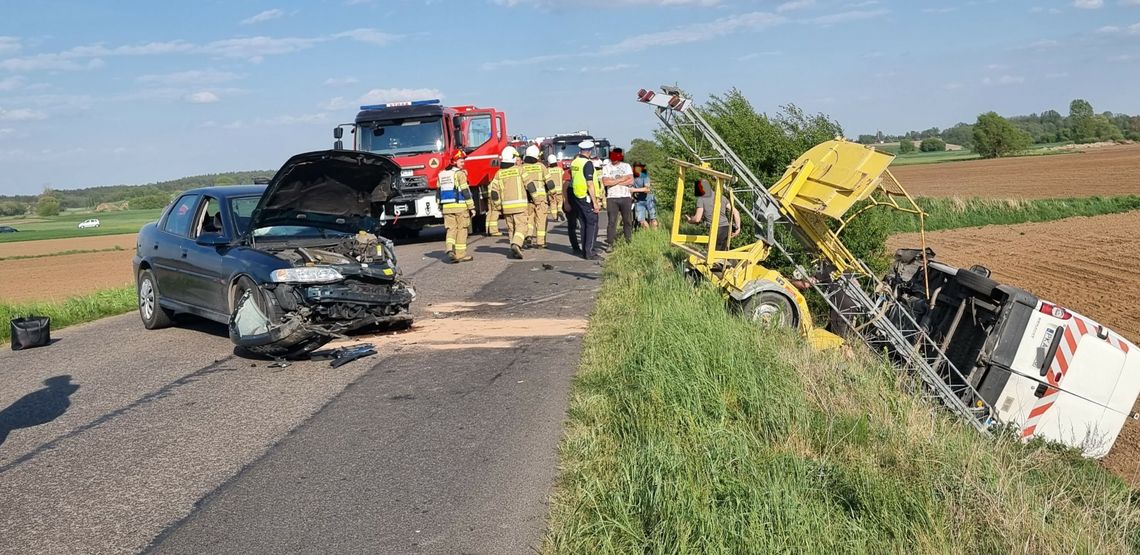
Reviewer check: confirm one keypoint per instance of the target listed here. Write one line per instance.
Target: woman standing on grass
(644, 201)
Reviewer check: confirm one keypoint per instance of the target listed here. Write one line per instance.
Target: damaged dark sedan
(287, 266)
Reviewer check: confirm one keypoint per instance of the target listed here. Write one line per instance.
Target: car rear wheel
(150, 310)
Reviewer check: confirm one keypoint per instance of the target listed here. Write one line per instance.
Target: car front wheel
(150, 310)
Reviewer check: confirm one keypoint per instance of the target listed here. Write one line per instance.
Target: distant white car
(88, 224)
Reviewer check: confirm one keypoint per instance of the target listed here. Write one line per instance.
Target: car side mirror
(212, 240)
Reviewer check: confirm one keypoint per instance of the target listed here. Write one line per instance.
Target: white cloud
(48, 62)
(697, 32)
(1088, 4)
(9, 45)
(754, 55)
(1108, 30)
(340, 81)
(253, 47)
(370, 36)
(6, 131)
(381, 96)
(795, 5)
(1004, 80)
(192, 77)
(1044, 44)
(606, 69)
(849, 16)
(286, 119)
(21, 114)
(1134, 29)
(263, 17)
(12, 83)
(952, 86)
(1130, 2)
(605, 3)
(202, 97)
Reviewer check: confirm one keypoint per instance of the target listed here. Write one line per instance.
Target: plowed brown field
(60, 277)
(1090, 265)
(125, 241)
(1113, 170)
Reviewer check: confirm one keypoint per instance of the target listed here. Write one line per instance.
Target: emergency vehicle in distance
(423, 136)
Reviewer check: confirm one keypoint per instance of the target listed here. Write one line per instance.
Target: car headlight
(306, 274)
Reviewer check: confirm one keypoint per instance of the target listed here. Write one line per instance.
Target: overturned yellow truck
(994, 354)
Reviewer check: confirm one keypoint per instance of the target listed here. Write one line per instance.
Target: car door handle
(184, 252)
(156, 246)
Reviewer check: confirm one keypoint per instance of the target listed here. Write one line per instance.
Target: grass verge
(690, 430)
(61, 253)
(75, 310)
(954, 212)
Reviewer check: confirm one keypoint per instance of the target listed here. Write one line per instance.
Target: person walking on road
(617, 177)
(509, 195)
(729, 225)
(458, 208)
(534, 179)
(554, 188)
(644, 201)
(583, 202)
(493, 211)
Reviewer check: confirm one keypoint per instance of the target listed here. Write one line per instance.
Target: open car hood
(333, 189)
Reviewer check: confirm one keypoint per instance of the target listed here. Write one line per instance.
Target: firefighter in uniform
(458, 208)
(492, 210)
(508, 195)
(554, 188)
(583, 202)
(534, 179)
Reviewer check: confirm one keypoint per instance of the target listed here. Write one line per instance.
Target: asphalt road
(116, 439)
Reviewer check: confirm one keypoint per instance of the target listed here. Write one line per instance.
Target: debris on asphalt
(344, 355)
(279, 363)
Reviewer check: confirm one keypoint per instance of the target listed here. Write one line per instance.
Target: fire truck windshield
(406, 136)
(565, 151)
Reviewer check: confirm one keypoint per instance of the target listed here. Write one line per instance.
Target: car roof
(226, 191)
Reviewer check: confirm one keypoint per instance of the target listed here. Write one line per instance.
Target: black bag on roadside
(32, 331)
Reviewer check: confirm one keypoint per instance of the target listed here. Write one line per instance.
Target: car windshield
(242, 208)
(566, 151)
(405, 136)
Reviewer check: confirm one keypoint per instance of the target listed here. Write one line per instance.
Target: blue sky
(133, 92)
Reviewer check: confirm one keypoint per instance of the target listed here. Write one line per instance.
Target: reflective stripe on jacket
(507, 191)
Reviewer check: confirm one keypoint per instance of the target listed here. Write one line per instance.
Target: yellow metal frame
(734, 270)
(820, 187)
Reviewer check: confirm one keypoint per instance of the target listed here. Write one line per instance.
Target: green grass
(61, 253)
(954, 212)
(64, 226)
(918, 158)
(75, 310)
(692, 431)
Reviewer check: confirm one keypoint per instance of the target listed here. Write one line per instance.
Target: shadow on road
(38, 407)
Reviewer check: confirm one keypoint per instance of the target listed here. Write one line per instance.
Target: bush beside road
(690, 428)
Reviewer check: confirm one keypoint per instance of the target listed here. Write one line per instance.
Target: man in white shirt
(617, 177)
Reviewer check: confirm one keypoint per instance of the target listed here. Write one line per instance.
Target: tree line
(152, 195)
(993, 135)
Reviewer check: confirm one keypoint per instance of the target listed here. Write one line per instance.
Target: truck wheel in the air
(977, 283)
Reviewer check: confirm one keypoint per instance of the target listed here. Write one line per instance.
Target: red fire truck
(422, 137)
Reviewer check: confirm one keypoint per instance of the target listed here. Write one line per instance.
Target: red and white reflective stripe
(1073, 331)
(481, 157)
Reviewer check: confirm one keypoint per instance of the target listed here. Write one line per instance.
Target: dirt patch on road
(1085, 264)
(125, 241)
(471, 333)
(55, 278)
(1103, 171)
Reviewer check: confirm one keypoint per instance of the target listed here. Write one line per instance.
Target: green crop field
(918, 158)
(63, 226)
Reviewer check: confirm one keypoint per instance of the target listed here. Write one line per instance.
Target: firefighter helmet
(552, 159)
(509, 154)
(532, 152)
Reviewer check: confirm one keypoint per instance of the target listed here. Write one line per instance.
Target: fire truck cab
(422, 137)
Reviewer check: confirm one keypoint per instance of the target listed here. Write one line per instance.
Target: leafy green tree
(867, 139)
(995, 136)
(961, 134)
(12, 208)
(224, 180)
(906, 146)
(47, 205)
(145, 202)
(932, 145)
